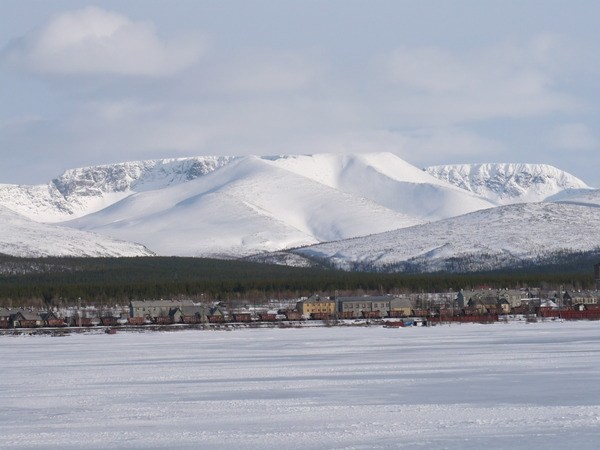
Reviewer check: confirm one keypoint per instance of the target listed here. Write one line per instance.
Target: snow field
(459, 386)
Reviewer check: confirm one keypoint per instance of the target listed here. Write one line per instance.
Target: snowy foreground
(459, 386)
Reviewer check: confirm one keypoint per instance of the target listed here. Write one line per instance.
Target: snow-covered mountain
(257, 204)
(490, 239)
(238, 206)
(388, 180)
(78, 192)
(20, 236)
(504, 184)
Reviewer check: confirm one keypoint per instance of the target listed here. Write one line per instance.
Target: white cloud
(442, 145)
(260, 73)
(512, 80)
(572, 136)
(96, 41)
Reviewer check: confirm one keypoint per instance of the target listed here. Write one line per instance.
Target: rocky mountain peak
(504, 183)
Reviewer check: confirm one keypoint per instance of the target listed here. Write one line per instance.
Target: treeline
(561, 261)
(62, 281)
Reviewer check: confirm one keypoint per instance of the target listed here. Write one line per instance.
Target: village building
(155, 308)
(189, 314)
(23, 318)
(216, 315)
(504, 306)
(364, 306)
(400, 307)
(514, 297)
(581, 298)
(486, 303)
(493, 301)
(315, 305)
(52, 320)
(432, 300)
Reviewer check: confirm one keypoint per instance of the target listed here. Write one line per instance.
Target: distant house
(504, 306)
(23, 318)
(471, 299)
(400, 306)
(189, 314)
(362, 306)
(155, 308)
(489, 301)
(315, 305)
(52, 320)
(478, 305)
(514, 297)
(581, 298)
(216, 315)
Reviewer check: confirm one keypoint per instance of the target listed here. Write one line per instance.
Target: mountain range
(505, 184)
(231, 207)
(504, 237)
(23, 237)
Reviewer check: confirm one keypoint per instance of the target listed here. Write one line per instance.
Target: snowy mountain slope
(248, 206)
(388, 180)
(508, 183)
(487, 239)
(578, 197)
(20, 236)
(381, 177)
(78, 192)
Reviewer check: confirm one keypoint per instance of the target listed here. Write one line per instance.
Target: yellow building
(401, 305)
(315, 305)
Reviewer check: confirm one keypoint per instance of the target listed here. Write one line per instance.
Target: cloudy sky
(435, 82)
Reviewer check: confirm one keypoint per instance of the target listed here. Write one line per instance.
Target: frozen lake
(459, 386)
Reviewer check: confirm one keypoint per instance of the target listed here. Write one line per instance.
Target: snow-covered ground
(459, 386)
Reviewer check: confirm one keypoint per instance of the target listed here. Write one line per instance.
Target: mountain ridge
(229, 207)
(81, 191)
(508, 183)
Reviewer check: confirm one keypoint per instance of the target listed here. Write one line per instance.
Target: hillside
(507, 236)
(584, 197)
(388, 180)
(20, 236)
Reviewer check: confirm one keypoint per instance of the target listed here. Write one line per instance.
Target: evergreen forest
(67, 281)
